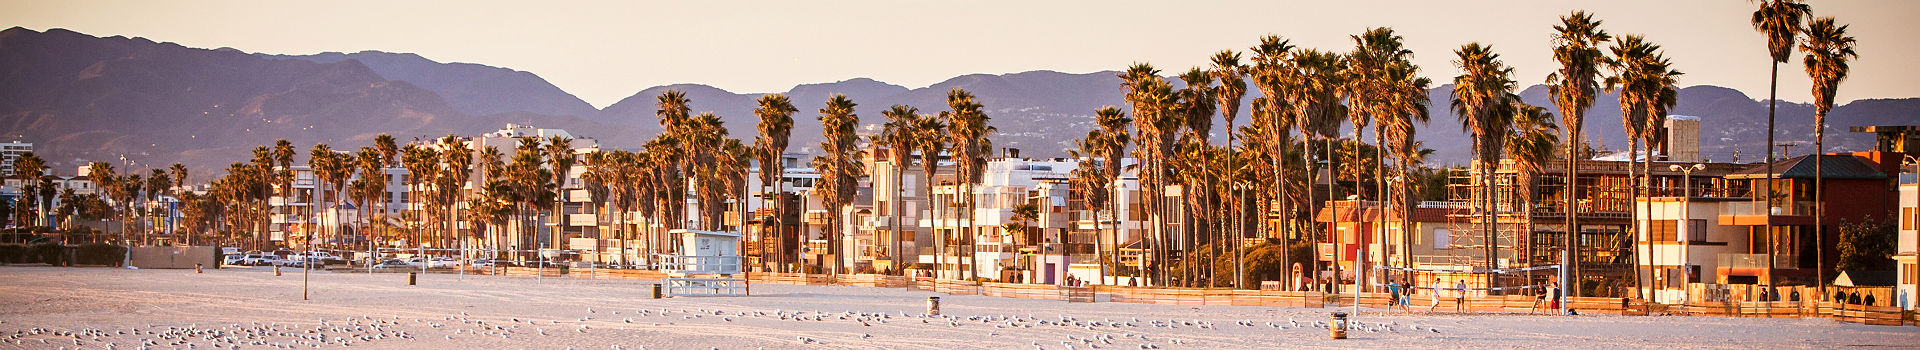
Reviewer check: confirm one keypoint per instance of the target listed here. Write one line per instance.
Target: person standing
(1434, 296)
(1460, 300)
(1393, 295)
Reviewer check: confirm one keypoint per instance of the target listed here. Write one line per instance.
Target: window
(1441, 238)
(1662, 231)
(1906, 218)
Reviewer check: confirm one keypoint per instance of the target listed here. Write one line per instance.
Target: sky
(603, 51)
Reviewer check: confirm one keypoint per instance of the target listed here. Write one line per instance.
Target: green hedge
(46, 253)
(100, 254)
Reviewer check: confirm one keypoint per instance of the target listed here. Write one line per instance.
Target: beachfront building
(1908, 288)
(1855, 189)
(11, 151)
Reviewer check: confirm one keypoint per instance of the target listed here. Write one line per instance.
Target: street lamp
(1686, 213)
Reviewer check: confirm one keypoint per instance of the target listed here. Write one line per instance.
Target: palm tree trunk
(1773, 97)
(1633, 209)
(1569, 249)
(1820, 203)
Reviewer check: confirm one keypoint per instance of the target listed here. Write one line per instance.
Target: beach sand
(250, 308)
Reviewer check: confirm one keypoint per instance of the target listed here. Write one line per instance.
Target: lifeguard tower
(708, 264)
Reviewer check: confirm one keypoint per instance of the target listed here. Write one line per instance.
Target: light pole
(1686, 214)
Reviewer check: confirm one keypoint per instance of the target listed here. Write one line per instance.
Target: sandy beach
(250, 308)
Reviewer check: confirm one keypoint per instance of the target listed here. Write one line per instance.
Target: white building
(1909, 243)
(11, 151)
(1688, 242)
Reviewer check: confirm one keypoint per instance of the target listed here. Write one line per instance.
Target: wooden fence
(1863, 314)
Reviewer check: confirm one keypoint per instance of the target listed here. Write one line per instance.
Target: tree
(28, 169)
(930, 139)
(1645, 80)
(1232, 89)
(776, 127)
(897, 135)
(1532, 143)
(967, 120)
(1316, 85)
(1576, 46)
(839, 169)
(1865, 246)
(1381, 70)
(1828, 49)
(1272, 116)
(1483, 101)
(1779, 20)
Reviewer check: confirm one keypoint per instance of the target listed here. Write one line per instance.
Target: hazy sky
(603, 51)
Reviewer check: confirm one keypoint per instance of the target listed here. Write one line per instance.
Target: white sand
(127, 308)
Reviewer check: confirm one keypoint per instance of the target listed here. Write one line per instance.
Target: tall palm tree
(103, 178)
(373, 188)
(930, 139)
(1232, 89)
(1828, 49)
(839, 169)
(1532, 142)
(1407, 106)
(776, 128)
(1576, 46)
(421, 163)
(560, 157)
(967, 120)
(320, 161)
(1482, 100)
(1158, 121)
(28, 169)
(1111, 149)
(1315, 87)
(675, 115)
(454, 169)
(897, 135)
(1089, 183)
(178, 173)
(1196, 111)
(1376, 54)
(1272, 114)
(1645, 80)
(1780, 21)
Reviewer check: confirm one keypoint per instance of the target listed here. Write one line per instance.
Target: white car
(259, 259)
(443, 263)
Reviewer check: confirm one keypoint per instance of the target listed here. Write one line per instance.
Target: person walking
(1434, 297)
(1393, 295)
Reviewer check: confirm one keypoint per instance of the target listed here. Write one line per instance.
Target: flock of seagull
(368, 329)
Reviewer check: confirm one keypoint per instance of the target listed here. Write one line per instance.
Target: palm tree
(967, 120)
(1828, 49)
(1532, 142)
(1110, 147)
(1315, 87)
(1376, 55)
(1157, 120)
(1483, 101)
(1645, 80)
(28, 169)
(1576, 41)
(373, 187)
(103, 178)
(1780, 21)
(897, 135)
(1272, 115)
(178, 173)
(456, 167)
(1197, 107)
(421, 163)
(675, 117)
(559, 153)
(839, 169)
(1232, 89)
(776, 126)
(930, 139)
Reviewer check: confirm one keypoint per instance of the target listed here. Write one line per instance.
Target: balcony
(1755, 213)
(1736, 262)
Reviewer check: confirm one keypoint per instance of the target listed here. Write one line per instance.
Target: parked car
(393, 264)
(483, 263)
(259, 260)
(443, 263)
(232, 259)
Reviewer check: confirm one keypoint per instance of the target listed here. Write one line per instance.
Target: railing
(1754, 261)
(694, 264)
(1798, 208)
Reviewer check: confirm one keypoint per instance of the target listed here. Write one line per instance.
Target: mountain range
(82, 98)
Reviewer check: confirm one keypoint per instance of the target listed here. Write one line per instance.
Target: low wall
(169, 257)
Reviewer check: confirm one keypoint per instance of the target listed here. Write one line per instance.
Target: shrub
(13, 254)
(47, 253)
(100, 254)
(864, 269)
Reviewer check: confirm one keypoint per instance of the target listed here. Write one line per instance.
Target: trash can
(412, 277)
(933, 306)
(1339, 325)
(656, 291)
